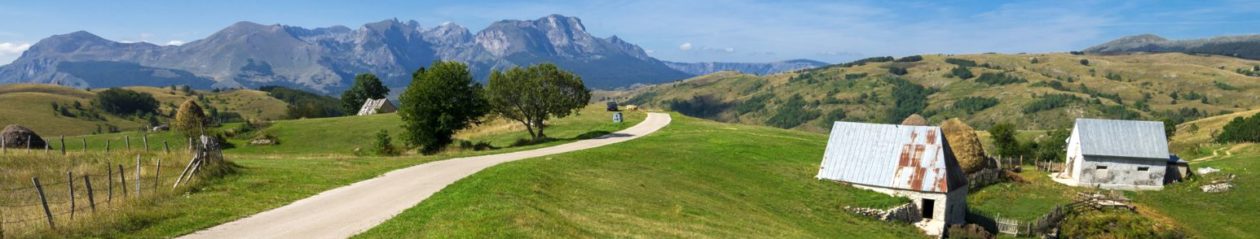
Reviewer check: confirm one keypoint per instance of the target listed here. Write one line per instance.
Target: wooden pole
(137, 175)
(186, 170)
(123, 176)
(146, 142)
(84, 144)
(107, 145)
(109, 183)
(28, 143)
(63, 144)
(91, 198)
(43, 201)
(127, 141)
(4, 146)
(190, 144)
(166, 147)
(70, 184)
(157, 175)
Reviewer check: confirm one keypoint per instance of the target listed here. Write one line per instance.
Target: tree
(125, 102)
(438, 102)
(531, 95)
(190, 119)
(384, 145)
(366, 86)
(1004, 139)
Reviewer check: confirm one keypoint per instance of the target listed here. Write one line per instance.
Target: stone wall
(908, 212)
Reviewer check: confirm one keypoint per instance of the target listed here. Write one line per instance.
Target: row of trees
(443, 99)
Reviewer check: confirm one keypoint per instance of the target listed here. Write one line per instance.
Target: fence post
(70, 184)
(106, 145)
(137, 175)
(146, 142)
(109, 183)
(166, 147)
(84, 144)
(123, 176)
(127, 141)
(190, 144)
(4, 147)
(63, 144)
(91, 198)
(157, 175)
(43, 201)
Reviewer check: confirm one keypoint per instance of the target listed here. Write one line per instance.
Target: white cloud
(729, 49)
(686, 46)
(11, 48)
(175, 42)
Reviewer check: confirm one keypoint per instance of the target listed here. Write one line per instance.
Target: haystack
(915, 119)
(16, 136)
(966, 145)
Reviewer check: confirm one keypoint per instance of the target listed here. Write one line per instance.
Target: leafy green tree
(1004, 139)
(1052, 147)
(962, 72)
(125, 102)
(792, 113)
(534, 94)
(366, 86)
(384, 145)
(438, 102)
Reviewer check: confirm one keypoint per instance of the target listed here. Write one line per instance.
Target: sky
(686, 31)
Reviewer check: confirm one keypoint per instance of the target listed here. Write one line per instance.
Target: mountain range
(326, 59)
(1244, 46)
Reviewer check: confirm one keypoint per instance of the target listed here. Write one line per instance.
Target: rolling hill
(1035, 91)
(1245, 46)
(30, 105)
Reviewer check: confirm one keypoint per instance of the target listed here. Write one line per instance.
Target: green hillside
(693, 179)
(30, 105)
(1036, 91)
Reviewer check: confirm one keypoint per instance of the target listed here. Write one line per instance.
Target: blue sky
(734, 31)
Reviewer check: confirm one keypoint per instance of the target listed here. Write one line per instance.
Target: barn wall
(1121, 173)
(948, 207)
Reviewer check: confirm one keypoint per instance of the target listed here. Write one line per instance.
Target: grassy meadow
(694, 179)
(314, 155)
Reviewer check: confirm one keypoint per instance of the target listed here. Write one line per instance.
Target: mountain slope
(704, 68)
(1034, 91)
(325, 60)
(1246, 46)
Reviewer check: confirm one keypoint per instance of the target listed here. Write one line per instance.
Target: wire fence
(87, 185)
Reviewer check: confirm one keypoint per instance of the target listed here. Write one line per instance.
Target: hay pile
(965, 144)
(915, 119)
(16, 136)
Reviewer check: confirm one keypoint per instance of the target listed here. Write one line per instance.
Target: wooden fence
(1048, 223)
(95, 187)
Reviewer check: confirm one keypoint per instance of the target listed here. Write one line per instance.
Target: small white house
(900, 160)
(377, 106)
(1116, 154)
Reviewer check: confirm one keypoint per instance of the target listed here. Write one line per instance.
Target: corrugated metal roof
(892, 156)
(373, 106)
(1122, 138)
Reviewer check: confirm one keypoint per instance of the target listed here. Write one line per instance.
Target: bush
(961, 62)
(975, 104)
(1085, 62)
(897, 70)
(1049, 102)
(910, 99)
(125, 102)
(831, 117)
(868, 60)
(914, 58)
(999, 79)
(1241, 129)
(384, 146)
(962, 72)
(792, 113)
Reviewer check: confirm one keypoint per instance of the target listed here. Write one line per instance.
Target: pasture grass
(694, 178)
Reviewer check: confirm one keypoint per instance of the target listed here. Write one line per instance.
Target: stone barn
(1116, 154)
(377, 106)
(900, 160)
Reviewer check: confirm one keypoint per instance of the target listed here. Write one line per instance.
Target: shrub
(975, 104)
(1049, 102)
(910, 98)
(960, 62)
(792, 113)
(914, 58)
(962, 72)
(1241, 129)
(384, 146)
(999, 79)
(1085, 62)
(125, 102)
(897, 70)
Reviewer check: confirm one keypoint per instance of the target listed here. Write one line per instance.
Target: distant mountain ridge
(704, 68)
(325, 59)
(1244, 46)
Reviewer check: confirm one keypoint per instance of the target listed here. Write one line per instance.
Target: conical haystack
(915, 119)
(965, 144)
